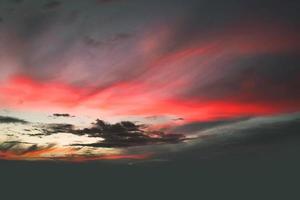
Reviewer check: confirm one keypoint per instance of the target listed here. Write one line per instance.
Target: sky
(133, 79)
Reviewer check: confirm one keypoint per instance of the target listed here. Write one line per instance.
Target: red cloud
(128, 99)
(167, 75)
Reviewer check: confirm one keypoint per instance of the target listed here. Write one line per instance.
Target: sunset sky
(160, 76)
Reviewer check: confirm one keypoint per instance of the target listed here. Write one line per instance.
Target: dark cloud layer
(234, 136)
(243, 142)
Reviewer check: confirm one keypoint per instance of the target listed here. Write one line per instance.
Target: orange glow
(67, 154)
(111, 157)
(42, 154)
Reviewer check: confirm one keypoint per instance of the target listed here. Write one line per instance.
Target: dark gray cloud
(49, 129)
(126, 134)
(115, 39)
(19, 148)
(203, 125)
(268, 134)
(6, 146)
(267, 137)
(121, 36)
(31, 26)
(256, 136)
(7, 120)
(272, 78)
(107, 1)
(122, 134)
(62, 115)
(52, 5)
(92, 42)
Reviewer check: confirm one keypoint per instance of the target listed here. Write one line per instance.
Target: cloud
(35, 152)
(17, 147)
(194, 127)
(92, 42)
(5, 146)
(256, 136)
(49, 129)
(122, 134)
(52, 5)
(18, 150)
(62, 115)
(253, 79)
(246, 134)
(121, 36)
(99, 134)
(189, 66)
(107, 1)
(7, 120)
(114, 40)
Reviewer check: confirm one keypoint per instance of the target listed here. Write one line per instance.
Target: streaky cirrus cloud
(227, 69)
